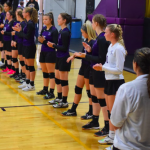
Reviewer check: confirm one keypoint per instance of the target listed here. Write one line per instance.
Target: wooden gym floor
(27, 122)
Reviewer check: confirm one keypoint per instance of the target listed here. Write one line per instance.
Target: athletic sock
(9, 66)
(32, 83)
(90, 109)
(107, 125)
(27, 81)
(6, 63)
(52, 91)
(74, 107)
(13, 68)
(17, 71)
(45, 88)
(111, 134)
(60, 95)
(95, 119)
(64, 100)
(2, 59)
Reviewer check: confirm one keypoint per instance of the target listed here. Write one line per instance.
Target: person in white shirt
(113, 68)
(131, 110)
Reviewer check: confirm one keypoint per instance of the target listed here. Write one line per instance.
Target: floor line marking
(49, 117)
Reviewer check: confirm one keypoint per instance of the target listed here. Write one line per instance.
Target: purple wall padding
(132, 8)
(111, 8)
(133, 36)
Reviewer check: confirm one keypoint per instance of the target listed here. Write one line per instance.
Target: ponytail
(117, 30)
(67, 17)
(142, 58)
(51, 16)
(33, 13)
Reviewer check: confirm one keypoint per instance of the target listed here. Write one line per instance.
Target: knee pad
(31, 68)
(22, 63)
(14, 60)
(102, 102)
(78, 90)
(8, 57)
(94, 99)
(57, 81)
(45, 75)
(52, 75)
(109, 114)
(88, 93)
(64, 82)
(27, 67)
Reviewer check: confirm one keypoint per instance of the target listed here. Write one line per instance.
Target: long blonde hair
(87, 27)
(117, 30)
(33, 13)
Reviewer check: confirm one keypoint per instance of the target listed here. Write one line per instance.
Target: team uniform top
(28, 33)
(49, 35)
(99, 50)
(2, 18)
(114, 64)
(84, 61)
(20, 39)
(131, 112)
(15, 37)
(8, 30)
(63, 43)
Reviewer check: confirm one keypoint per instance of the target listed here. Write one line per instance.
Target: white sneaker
(57, 100)
(109, 148)
(61, 105)
(1, 63)
(23, 85)
(29, 87)
(106, 140)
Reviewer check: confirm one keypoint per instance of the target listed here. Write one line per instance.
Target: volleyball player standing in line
(29, 47)
(113, 68)
(84, 72)
(7, 40)
(97, 78)
(20, 18)
(7, 7)
(62, 67)
(48, 55)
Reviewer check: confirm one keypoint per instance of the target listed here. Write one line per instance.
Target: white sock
(111, 134)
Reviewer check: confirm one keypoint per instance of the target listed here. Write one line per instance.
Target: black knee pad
(22, 63)
(78, 90)
(14, 60)
(88, 93)
(57, 81)
(52, 75)
(94, 99)
(45, 75)
(31, 68)
(8, 57)
(27, 67)
(64, 82)
(102, 102)
(109, 114)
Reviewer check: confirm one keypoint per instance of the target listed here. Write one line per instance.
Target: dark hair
(142, 58)
(33, 13)
(11, 13)
(101, 20)
(20, 14)
(21, 3)
(51, 16)
(67, 17)
(8, 3)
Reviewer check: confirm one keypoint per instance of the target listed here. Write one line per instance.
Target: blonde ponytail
(117, 30)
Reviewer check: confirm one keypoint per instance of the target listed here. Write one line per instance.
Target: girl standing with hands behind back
(62, 67)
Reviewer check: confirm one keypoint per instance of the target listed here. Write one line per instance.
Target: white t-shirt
(114, 64)
(131, 113)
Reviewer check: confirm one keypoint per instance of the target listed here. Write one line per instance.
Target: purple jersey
(50, 35)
